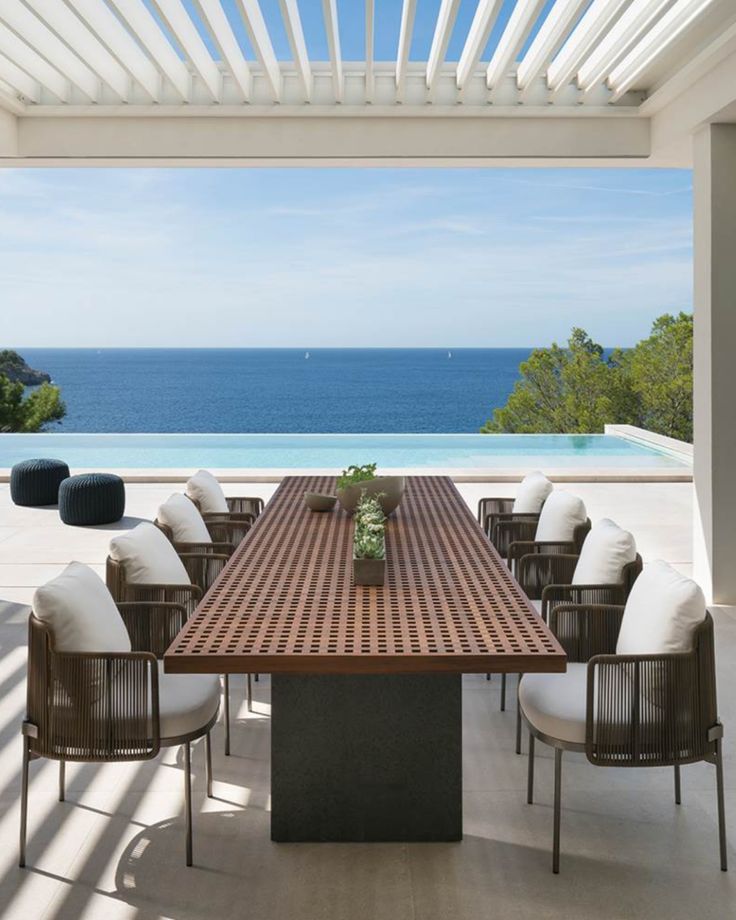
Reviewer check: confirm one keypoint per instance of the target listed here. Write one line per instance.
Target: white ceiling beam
(369, 37)
(441, 39)
(480, 29)
(34, 65)
(185, 32)
(654, 44)
(70, 29)
(329, 11)
(19, 80)
(585, 36)
(408, 12)
(550, 36)
(614, 46)
(149, 34)
(31, 30)
(119, 42)
(295, 33)
(222, 34)
(261, 41)
(520, 22)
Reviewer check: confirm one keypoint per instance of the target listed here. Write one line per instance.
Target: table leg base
(366, 757)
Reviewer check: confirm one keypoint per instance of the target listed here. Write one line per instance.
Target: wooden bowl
(315, 501)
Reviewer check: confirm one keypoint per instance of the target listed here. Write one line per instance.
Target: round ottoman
(36, 482)
(92, 498)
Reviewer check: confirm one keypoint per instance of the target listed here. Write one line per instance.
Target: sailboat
(306, 355)
(449, 354)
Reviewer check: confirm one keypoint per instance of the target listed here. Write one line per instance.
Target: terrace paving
(116, 848)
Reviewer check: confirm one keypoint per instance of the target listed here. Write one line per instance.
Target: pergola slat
(329, 11)
(550, 36)
(33, 64)
(597, 18)
(185, 32)
(144, 26)
(443, 30)
(480, 29)
(517, 28)
(217, 22)
(70, 29)
(654, 43)
(295, 33)
(261, 41)
(19, 80)
(408, 12)
(120, 43)
(28, 27)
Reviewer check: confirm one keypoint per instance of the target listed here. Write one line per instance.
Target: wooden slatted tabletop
(286, 603)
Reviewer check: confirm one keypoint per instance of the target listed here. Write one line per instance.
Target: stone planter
(369, 571)
(391, 489)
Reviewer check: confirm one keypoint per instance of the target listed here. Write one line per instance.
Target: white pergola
(600, 83)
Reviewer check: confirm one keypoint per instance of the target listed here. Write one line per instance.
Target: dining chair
(96, 693)
(206, 492)
(533, 491)
(602, 573)
(144, 566)
(639, 691)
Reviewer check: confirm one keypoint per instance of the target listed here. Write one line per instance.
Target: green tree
(577, 389)
(660, 374)
(565, 390)
(21, 413)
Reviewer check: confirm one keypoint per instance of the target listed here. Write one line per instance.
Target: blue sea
(273, 390)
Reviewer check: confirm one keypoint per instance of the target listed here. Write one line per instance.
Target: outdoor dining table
(366, 733)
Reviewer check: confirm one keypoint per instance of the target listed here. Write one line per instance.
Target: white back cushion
(148, 557)
(80, 612)
(532, 493)
(561, 514)
(179, 513)
(606, 550)
(661, 614)
(207, 492)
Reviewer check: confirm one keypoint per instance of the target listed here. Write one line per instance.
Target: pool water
(335, 451)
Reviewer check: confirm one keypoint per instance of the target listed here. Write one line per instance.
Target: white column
(715, 362)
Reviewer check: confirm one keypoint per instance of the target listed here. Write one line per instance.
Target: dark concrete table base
(366, 757)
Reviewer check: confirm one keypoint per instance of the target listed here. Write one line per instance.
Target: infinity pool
(335, 451)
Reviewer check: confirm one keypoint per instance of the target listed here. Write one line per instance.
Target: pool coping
(507, 474)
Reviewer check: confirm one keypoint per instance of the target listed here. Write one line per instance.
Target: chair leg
(256, 677)
(488, 676)
(678, 787)
(188, 797)
(518, 721)
(24, 803)
(249, 692)
(721, 805)
(62, 780)
(503, 693)
(208, 763)
(556, 828)
(530, 774)
(227, 715)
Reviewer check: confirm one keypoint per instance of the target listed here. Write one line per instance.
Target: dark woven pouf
(36, 482)
(92, 498)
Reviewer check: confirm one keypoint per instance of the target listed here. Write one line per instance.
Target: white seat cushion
(207, 492)
(554, 704)
(80, 612)
(536, 604)
(148, 557)
(606, 550)
(561, 514)
(187, 702)
(178, 513)
(532, 493)
(662, 613)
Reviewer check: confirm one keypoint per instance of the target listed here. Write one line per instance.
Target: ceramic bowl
(318, 502)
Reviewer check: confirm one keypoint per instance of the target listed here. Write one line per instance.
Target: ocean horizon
(279, 390)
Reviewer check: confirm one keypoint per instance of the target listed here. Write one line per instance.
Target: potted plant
(356, 480)
(369, 542)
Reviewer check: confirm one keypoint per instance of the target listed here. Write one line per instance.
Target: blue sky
(340, 257)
